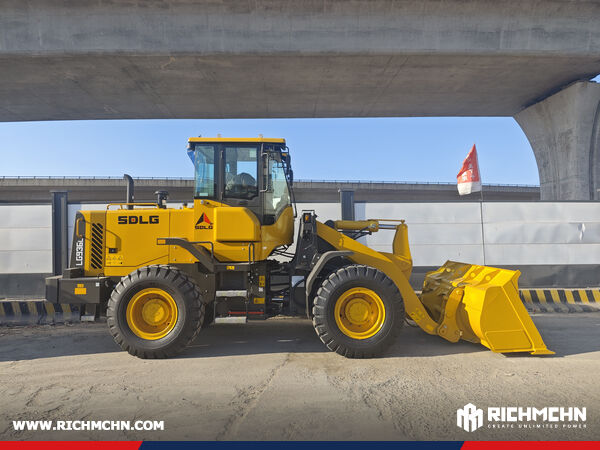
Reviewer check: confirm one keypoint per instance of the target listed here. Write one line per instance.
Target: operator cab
(251, 172)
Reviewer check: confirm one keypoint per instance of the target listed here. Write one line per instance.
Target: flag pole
(469, 178)
(481, 214)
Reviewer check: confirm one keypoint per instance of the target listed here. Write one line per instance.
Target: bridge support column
(564, 132)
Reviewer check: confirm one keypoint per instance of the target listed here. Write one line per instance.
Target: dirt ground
(274, 380)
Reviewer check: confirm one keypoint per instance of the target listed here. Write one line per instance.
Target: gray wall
(553, 244)
(25, 249)
(25, 239)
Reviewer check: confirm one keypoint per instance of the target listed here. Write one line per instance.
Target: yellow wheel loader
(162, 274)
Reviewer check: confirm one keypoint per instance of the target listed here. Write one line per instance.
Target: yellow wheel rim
(359, 313)
(151, 314)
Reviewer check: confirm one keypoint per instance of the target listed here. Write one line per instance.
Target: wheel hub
(155, 312)
(151, 313)
(359, 313)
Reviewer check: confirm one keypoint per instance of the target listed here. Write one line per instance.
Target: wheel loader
(162, 274)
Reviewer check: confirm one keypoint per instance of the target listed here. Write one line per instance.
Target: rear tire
(358, 312)
(155, 312)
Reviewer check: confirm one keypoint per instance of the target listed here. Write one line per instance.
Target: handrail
(251, 253)
(131, 204)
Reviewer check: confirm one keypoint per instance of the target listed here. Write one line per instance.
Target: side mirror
(288, 164)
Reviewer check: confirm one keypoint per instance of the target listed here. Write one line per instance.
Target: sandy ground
(274, 380)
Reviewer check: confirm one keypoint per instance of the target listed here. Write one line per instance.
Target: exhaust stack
(130, 197)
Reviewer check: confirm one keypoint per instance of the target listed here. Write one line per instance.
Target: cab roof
(224, 139)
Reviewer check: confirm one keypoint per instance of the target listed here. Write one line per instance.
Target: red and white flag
(468, 179)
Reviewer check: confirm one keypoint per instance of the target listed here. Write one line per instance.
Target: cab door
(240, 180)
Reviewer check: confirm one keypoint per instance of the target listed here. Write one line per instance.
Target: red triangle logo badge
(202, 221)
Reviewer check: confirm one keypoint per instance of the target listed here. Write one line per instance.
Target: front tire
(155, 312)
(358, 312)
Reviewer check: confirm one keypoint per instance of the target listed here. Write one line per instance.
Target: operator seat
(242, 183)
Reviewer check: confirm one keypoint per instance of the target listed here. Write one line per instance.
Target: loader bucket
(481, 304)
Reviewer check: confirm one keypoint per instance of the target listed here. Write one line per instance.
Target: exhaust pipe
(129, 190)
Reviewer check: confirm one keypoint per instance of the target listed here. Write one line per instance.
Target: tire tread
(174, 278)
(333, 338)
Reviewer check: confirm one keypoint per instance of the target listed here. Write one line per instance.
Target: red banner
(468, 179)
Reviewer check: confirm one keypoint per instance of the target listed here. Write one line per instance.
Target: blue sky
(390, 149)
(387, 149)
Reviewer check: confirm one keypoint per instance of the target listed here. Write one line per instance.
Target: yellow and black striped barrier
(561, 300)
(37, 312)
(536, 300)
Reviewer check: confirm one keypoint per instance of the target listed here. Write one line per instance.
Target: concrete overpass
(105, 190)
(73, 59)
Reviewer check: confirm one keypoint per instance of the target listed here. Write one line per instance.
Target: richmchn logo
(469, 418)
(204, 223)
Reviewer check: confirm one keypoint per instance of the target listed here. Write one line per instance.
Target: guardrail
(426, 183)
(370, 182)
(72, 177)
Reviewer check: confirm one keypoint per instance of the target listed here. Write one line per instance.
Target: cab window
(204, 170)
(241, 172)
(277, 195)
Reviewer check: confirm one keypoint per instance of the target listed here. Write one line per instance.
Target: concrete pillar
(564, 132)
(59, 231)
(347, 203)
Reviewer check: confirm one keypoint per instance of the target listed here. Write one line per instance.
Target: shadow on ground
(566, 334)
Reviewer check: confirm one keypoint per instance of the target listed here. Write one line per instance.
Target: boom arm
(397, 266)
(471, 302)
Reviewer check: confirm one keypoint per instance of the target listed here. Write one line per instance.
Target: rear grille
(97, 248)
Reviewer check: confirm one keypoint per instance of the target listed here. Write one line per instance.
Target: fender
(310, 279)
